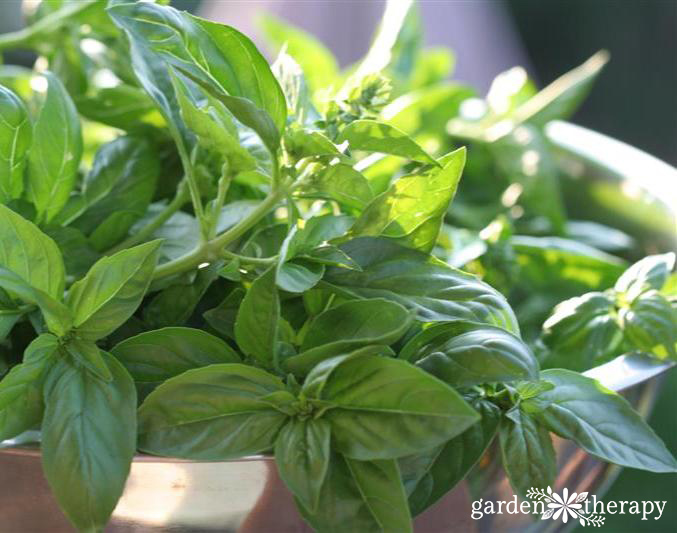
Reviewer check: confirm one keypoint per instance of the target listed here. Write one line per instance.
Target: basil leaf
(649, 273)
(214, 127)
(478, 355)
(650, 324)
(222, 317)
(58, 317)
(314, 58)
(89, 355)
(381, 488)
(55, 153)
(217, 413)
(293, 83)
(21, 405)
(112, 290)
(16, 134)
(348, 326)
(581, 330)
(452, 461)
(339, 182)
(156, 356)
(88, 440)
(123, 106)
(527, 452)
(8, 319)
(373, 136)
(31, 254)
(257, 320)
(302, 458)
(118, 189)
(413, 208)
(298, 275)
(301, 142)
(601, 422)
(437, 292)
(374, 414)
(217, 57)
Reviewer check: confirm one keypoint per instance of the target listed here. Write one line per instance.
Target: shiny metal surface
(247, 496)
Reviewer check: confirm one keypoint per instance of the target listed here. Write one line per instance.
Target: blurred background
(634, 100)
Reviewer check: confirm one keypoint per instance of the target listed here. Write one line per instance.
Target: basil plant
(205, 256)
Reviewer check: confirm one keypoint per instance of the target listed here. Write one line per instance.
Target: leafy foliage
(214, 257)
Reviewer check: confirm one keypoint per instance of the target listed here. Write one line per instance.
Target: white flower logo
(565, 506)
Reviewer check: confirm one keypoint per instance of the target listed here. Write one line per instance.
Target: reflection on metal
(247, 496)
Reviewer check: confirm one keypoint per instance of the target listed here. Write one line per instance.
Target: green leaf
(30, 253)
(222, 317)
(464, 355)
(214, 128)
(413, 208)
(350, 325)
(452, 461)
(293, 83)
(298, 275)
(218, 57)
(301, 142)
(215, 413)
(112, 290)
(58, 317)
(339, 182)
(118, 189)
(88, 354)
(88, 440)
(55, 152)
(375, 415)
(156, 356)
(650, 324)
(373, 136)
(649, 273)
(527, 452)
(16, 134)
(437, 292)
(314, 58)
(381, 488)
(581, 330)
(257, 320)
(21, 405)
(302, 458)
(601, 422)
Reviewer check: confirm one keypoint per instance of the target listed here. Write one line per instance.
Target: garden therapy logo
(567, 506)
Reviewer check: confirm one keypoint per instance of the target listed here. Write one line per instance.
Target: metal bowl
(608, 181)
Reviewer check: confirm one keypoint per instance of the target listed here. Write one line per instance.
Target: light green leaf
(413, 208)
(302, 458)
(215, 413)
(31, 254)
(601, 422)
(88, 440)
(373, 136)
(648, 273)
(156, 356)
(339, 182)
(650, 324)
(112, 290)
(55, 153)
(16, 134)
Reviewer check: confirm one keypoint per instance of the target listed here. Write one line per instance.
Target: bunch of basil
(205, 257)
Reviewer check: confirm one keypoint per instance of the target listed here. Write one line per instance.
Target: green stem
(214, 248)
(195, 197)
(249, 260)
(177, 203)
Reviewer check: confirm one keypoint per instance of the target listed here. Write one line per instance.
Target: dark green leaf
(383, 408)
(601, 422)
(16, 134)
(299, 275)
(463, 355)
(527, 452)
(437, 292)
(373, 136)
(21, 403)
(302, 458)
(88, 440)
(213, 413)
(155, 356)
(88, 354)
(222, 317)
(257, 320)
(112, 290)
(55, 153)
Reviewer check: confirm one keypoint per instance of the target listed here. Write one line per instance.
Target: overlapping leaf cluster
(266, 257)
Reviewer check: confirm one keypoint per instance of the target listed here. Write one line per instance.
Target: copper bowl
(620, 185)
